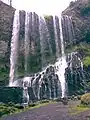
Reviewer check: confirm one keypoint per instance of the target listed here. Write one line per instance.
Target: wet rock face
(74, 75)
(80, 13)
(6, 23)
(68, 31)
(21, 53)
(43, 85)
(47, 85)
(36, 42)
(28, 52)
(50, 26)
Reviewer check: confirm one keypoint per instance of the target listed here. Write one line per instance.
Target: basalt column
(46, 51)
(50, 26)
(35, 48)
(75, 75)
(21, 50)
(68, 31)
(57, 36)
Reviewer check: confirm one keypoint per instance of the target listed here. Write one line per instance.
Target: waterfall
(44, 39)
(61, 64)
(26, 83)
(75, 74)
(41, 28)
(49, 83)
(56, 37)
(14, 47)
(68, 31)
(27, 41)
(61, 36)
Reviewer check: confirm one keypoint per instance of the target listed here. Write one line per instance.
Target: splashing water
(63, 60)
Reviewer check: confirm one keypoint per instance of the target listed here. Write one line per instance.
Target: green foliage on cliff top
(86, 61)
(85, 10)
(48, 17)
(84, 51)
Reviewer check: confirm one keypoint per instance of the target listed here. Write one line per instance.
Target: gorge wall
(43, 46)
(80, 14)
(6, 23)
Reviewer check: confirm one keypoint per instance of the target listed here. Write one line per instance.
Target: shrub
(85, 10)
(32, 105)
(85, 99)
(18, 106)
(11, 104)
(44, 101)
(86, 61)
(6, 109)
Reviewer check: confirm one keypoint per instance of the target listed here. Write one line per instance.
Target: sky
(42, 6)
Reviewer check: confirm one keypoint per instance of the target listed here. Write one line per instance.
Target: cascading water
(61, 36)
(75, 74)
(50, 82)
(26, 83)
(27, 41)
(26, 80)
(44, 38)
(56, 37)
(61, 64)
(14, 47)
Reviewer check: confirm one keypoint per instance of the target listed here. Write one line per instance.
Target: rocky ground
(56, 111)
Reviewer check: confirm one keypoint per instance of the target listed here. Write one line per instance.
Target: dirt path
(55, 111)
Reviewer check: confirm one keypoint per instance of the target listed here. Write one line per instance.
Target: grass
(74, 110)
(7, 109)
(77, 107)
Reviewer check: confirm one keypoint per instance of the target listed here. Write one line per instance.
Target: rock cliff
(6, 23)
(79, 11)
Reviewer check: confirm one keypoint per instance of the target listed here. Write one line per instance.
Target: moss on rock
(85, 99)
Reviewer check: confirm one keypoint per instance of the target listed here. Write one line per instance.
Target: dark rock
(6, 24)
(11, 94)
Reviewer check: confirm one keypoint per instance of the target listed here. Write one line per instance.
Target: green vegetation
(86, 35)
(10, 108)
(78, 109)
(84, 50)
(6, 109)
(85, 10)
(48, 17)
(4, 73)
(86, 61)
(84, 105)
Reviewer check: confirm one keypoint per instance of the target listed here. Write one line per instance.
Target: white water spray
(14, 47)
(61, 64)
